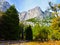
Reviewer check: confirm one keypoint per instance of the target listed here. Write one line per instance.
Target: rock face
(4, 5)
(35, 12)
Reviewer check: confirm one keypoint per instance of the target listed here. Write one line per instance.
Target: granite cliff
(34, 13)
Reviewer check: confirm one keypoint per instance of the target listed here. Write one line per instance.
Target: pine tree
(29, 35)
(10, 24)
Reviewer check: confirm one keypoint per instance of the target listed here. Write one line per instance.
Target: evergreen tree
(29, 35)
(10, 24)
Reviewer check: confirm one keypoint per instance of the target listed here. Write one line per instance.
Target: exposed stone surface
(4, 5)
(35, 12)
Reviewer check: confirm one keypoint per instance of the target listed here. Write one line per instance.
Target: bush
(36, 31)
(42, 32)
(56, 35)
(45, 32)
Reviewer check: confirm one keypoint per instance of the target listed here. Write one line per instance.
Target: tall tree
(29, 35)
(10, 24)
(55, 8)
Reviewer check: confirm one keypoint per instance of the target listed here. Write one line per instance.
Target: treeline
(46, 32)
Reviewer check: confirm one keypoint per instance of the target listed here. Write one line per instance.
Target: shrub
(56, 35)
(45, 32)
(42, 32)
(36, 31)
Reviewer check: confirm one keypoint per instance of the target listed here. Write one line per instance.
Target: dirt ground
(31, 43)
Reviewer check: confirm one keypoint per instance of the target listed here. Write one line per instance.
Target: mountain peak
(4, 5)
(32, 13)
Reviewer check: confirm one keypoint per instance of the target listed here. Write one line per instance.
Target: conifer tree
(10, 24)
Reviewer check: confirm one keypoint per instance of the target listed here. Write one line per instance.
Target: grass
(34, 43)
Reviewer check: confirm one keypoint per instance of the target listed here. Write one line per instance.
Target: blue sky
(24, 5)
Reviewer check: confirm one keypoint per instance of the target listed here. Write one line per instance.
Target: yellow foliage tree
(55, 23)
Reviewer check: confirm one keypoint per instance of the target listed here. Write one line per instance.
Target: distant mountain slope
(4, 5)
(36, 13)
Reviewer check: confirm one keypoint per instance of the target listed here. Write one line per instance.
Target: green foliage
(11, 29)
(21, 28)
(55, 26)
(42, 32)
(56, 35)
(28, 32)
(45, 33)
(32, 20)
(10, 24)
(36, 30)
